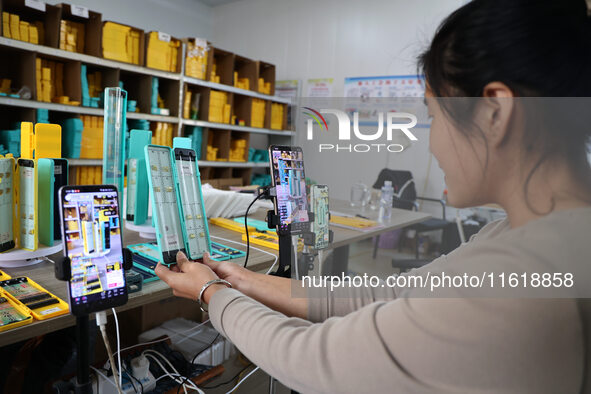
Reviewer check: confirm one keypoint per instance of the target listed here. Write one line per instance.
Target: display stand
(21, 258)
(146, 231)
(83, 384)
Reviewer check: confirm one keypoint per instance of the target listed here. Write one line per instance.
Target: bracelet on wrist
(205, 286)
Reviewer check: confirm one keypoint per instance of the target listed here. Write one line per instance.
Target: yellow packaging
(24, 31)
(33, 35)
(6, 25)
(45, 312)
(15, 27)
(20, 308)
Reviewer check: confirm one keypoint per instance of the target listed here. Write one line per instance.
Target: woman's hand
(187, 278)
(237, 275)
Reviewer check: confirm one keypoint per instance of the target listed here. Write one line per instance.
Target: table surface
(43, 273)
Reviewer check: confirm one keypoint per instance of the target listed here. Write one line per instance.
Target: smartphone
(289, 180)
(319, 204)
(91, 234)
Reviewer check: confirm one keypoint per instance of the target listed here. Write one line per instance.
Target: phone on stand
(91, 234)
(289, 180)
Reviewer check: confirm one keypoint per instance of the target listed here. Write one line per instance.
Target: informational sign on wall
(320, 87)
(392, 86)
(399, 93)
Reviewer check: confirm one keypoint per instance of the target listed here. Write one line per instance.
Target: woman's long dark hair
(538, 48)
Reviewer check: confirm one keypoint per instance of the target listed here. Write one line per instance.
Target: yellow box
(6, 25)
(24, 31)
(46, 74)
(15, 27)
(33, 35)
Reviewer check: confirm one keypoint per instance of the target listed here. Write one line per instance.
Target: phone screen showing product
(319, 203)
(291, 202)
(91, 232)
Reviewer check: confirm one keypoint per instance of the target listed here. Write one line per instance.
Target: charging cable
(246, 227)
(101, 321)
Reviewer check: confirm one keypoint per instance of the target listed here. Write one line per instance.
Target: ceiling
(214, 3)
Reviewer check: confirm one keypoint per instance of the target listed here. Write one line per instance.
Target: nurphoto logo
(344, 130)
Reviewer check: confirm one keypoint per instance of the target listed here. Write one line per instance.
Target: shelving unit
(169, 83)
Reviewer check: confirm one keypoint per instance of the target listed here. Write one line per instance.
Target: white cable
(118, 348)
(168, 376)
(166, 372)
(101, 321)
(164, 339)
(251, 247)
(180, 378)
(242, 380)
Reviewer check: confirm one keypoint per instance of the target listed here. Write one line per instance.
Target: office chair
(405, 197)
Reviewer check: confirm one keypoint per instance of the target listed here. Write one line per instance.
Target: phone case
(44, 142)
(7, 304)
(175, 190)
(137, 177)
(28, 205)
(260, 225)
(226, 251)
(165, 202)
(4, 275)
(320, 226)
(7, 204)
(60, 176)
(59, 307)
(46, 181)
(196, 234)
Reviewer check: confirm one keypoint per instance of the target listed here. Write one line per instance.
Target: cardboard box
(245, 69)
(266, 72)
(163, 52)
(123, 43)
(221, 67)
(242, 108)
(93, 26)
(198, 58)
(47, 21)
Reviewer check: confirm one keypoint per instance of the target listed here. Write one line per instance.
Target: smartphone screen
(91, 234)
(320, 226)
(287, 166)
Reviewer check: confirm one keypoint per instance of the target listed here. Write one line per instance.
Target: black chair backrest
(399, 179)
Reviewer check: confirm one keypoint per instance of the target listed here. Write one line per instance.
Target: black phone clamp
(83, 384)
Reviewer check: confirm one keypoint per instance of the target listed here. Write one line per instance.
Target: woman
(368, 340)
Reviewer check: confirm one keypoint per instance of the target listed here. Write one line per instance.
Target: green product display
(177, 202)
(45, 181)
(114, 137)
(137, 177)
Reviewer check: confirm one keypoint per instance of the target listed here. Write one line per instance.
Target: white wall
(181, 18)
(339, 39)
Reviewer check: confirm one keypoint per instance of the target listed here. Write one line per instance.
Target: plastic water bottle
(386, 202)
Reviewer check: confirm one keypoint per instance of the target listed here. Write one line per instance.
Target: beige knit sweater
(383, 340)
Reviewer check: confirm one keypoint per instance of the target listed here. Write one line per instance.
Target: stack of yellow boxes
(241, 83)
(277, 116)
(219, 109)
(258, 113)
(212, 153)
(50, 82)
(17, 29)
(121, 43)
(72, 36)
(92, 175)
(238, 150)
(187, 105)
(196, 62)
(163, 134)
(264, 87)
(162, 55)
(214, 77)
(91, 146)
(5, 85)
(95, 83)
